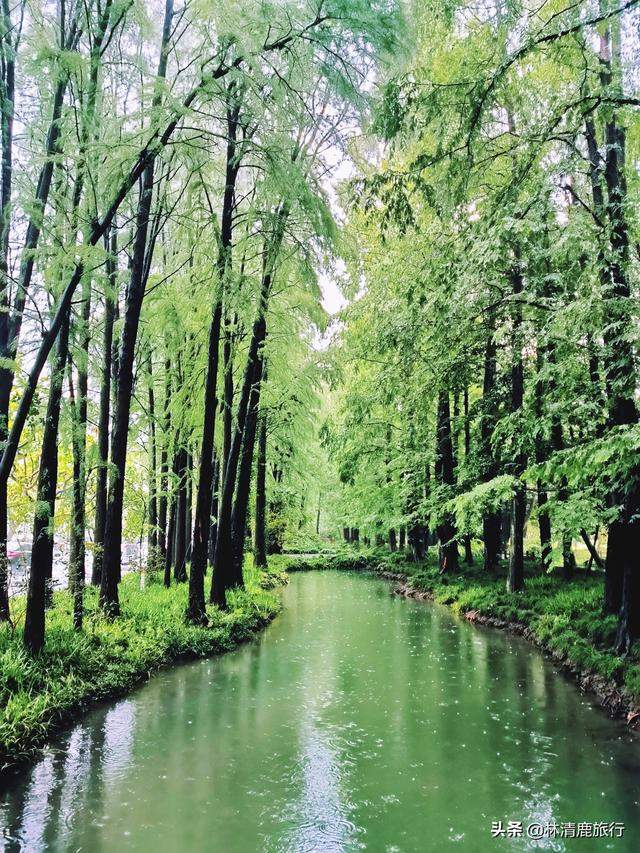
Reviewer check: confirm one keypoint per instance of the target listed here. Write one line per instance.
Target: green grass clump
(106, 659)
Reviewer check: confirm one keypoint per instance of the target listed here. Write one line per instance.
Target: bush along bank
(563, 618)
(74, 670)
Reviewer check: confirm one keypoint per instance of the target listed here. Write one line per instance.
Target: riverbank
(75, 670)
(563, 618)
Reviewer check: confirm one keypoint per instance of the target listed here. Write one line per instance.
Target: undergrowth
(107, 658)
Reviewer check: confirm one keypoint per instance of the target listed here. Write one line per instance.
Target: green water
(357, 721)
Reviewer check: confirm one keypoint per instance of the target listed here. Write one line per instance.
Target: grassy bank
(564, 618)
(75, 670)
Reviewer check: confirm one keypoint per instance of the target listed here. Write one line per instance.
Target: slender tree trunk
(393, 541)
(223, 569)
(402, 538)
(241, 503)
(7, 118)
(79, 442)
(164, 461)
(179, 557)
(544, 521)
(491, 521)
(152, 533)
(111, 567)
(168, 564)
(40, 573)
(445, 476)
(618, 359)
(260, 538)
(196, 606)
(213, 521)
(515, 579)
(227, 410)
(468, 553)
(110, 298)
(188, 519)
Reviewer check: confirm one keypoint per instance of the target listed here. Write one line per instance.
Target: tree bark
(393, 541)
(445, 476)
(544, 521)
(468, 552)
(223, 573)
(241, 503)
(152, 531)
(164, 470)
(40, 573)
(179, 555)
(260, 533)
(11, 320)
(491, 521)
(110, 298)
(196, 606)
(515, 579)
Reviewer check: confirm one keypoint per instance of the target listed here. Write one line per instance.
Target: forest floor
(39, 694)
(563, 618)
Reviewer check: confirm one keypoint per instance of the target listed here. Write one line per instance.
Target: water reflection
(357, 721)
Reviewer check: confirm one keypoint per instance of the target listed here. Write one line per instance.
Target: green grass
(76, 669)
(563, 617)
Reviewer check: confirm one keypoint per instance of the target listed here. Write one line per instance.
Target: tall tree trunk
(223, 569)
(11, 321)
(168, 563)
(227, 408)
(515, 579)
(179, 554)
(393, 541)
(79, 442)
(196, 606)
(40, 573)
(110, 298)
(213, 521)
(188, 515)
(241, 503)
(621, 377)
(544, 521)
(79, 438)
(152, 532)
(491, 520)
(7, 100)
(468, 553)
(445, 476)
(259, 533)
(111, 567)
(164, 461)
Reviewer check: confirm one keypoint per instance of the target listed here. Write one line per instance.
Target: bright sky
(332, 299)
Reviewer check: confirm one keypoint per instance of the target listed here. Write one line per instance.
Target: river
(356, 721)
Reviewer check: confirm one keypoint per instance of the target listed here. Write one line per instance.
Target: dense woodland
(178, 185)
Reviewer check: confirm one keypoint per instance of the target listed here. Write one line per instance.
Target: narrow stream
(356, 721)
